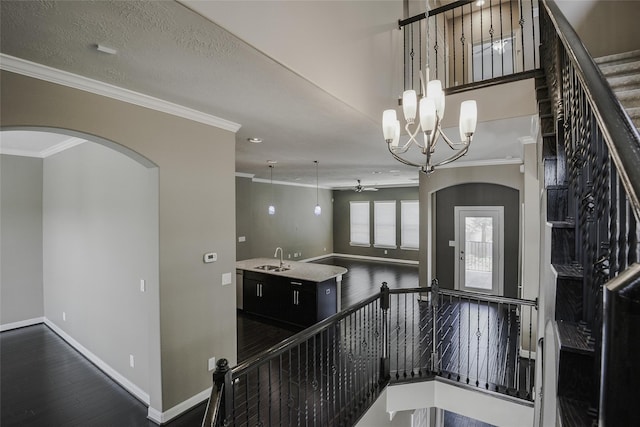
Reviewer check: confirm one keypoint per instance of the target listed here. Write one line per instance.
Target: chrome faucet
(281, 255)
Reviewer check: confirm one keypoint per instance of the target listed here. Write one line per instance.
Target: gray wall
(477, 194)
(100, 235)
(196, 193)
(294, 227)
(21, 244)
(604, 26)
(504, 175)
(341, 229)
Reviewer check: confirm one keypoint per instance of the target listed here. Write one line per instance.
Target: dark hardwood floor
(45, 382)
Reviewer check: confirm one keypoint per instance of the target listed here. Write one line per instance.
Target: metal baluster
(472, 55)
(405, 335)
(529, 370)
(508, 338)
(413, 336)
(459, 307)
(512, 39)
(462, 49)
(453, 40)
(533, 37)
(502, 38)
(435, 49)
(488, 344)
(478, 334)
(491, 31)
(521, 22)
(468, 338)
(481, 44)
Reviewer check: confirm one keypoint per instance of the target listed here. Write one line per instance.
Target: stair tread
(574, 412)
(623, 56)
(562, 224)
(573, 338)
(627, 68)
(569, 271)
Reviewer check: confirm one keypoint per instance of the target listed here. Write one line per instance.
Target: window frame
(386, 227)
(368, 223)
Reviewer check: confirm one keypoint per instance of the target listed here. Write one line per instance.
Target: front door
(479, 249)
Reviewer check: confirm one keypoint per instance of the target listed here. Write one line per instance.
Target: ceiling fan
(360, 188)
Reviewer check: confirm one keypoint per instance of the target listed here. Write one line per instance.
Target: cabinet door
(302, 303)
(252, 295)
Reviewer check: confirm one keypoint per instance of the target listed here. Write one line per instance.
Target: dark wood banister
(619, 133)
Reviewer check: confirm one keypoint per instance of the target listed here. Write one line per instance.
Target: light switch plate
(212, 364)
(242, 239)
(210, 257)
(226, 279)
(452, 243)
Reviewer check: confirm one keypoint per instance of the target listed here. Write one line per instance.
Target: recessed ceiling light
(106, 49)
(394, 171)
(376, 172)
(254, 140)
(272, 162)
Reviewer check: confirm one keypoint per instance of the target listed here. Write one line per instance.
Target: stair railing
(332, 372)
(602, 149)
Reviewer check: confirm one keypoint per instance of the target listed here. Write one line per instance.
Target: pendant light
(317, 210)
(272, 208)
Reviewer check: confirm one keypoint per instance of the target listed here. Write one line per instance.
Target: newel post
(222, 382)
(435, 289)
(385, 368)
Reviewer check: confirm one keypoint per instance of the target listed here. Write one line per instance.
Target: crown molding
(64, 78)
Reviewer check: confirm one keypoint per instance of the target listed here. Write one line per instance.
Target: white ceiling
(311, 77)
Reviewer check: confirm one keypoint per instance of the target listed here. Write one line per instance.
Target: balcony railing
(471, 44)
(331, 373)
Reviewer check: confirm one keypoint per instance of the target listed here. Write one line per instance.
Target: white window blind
(359, 220)
(384, 219)
(409, 224)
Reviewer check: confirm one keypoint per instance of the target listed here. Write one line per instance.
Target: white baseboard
(21, 324)
(115, 375)
(182, 407)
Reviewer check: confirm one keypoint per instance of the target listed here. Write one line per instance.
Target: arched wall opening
(196, 197)
(94, 204)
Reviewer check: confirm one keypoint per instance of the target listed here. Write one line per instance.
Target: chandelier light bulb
(427, 115)
(435, 92)
(409, 105)
(468, 117)
(389, 120)
(318, 210)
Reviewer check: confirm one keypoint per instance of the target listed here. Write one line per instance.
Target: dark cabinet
(298, 302)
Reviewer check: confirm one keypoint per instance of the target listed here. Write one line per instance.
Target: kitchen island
(298, 293)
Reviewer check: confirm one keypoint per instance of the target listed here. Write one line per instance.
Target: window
(409, 224)
(359, 223)
(384, 224)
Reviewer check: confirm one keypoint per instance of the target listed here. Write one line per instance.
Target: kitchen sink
(275, 268)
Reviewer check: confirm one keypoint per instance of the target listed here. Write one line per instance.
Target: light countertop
(298, 270)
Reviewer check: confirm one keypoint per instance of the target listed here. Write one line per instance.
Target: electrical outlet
(143, 285)
(212, 364)
(64, 316)
(132, 361)
(385, 251)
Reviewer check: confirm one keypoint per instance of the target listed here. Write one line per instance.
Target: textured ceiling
(310, 78)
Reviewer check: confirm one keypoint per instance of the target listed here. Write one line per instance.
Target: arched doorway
(96, 203)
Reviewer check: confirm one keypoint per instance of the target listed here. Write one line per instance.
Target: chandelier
(430, 111)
